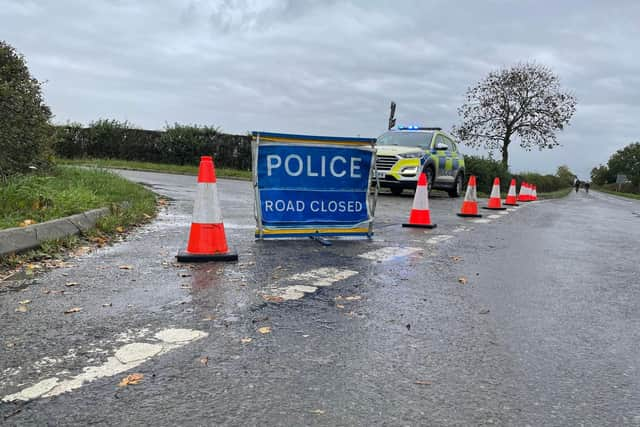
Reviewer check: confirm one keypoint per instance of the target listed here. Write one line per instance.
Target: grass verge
(68, 191)
(615, 193)
(154, 167)
(555, 194)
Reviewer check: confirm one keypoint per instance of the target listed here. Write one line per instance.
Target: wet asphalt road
(544, 332)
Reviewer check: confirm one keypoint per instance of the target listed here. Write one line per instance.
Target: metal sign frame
(268, 138)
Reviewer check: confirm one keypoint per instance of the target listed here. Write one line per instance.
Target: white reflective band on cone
(206, 209)
(471, 195)
(495, 192)
(421, 199)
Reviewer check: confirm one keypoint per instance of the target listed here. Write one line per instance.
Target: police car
(403, 153)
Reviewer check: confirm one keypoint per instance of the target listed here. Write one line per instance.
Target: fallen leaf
(146, 216)
(126, 267)
(463, 280)
(423, 382)
(317, 412)
(272, 298)
(353, 298)
(456, 258)
(70, 284)
(22, 309)
(339, 306)
(265, 330)
(484, 311)
(162, 202)
(107, 304)
(120, 229)
(73, 310)
(26, 301)
(27, 222)
(131, 379)
(209, 318)
(204, 360)
(246, 340)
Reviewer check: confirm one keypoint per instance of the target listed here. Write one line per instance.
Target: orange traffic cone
(523, 194)
(470, 204)
(207, 241)
(420, 216)
(511, 196)
(495, 203)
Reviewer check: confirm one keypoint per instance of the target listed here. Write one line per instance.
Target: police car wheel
(429, 173)
(396, 191)
(456, 191)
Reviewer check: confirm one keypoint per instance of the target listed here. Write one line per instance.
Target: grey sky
(329, 67)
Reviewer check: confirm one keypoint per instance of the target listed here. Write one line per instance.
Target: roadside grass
(154, 167)
(67, 191)
(615, 193)
(555, 194)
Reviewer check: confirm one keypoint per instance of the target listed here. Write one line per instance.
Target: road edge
(21, 239)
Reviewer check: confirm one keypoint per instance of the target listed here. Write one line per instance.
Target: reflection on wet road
(541, 331)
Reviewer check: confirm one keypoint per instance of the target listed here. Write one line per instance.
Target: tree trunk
(505, 152)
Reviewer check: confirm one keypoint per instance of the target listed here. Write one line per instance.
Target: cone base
(420, 225)
(494, 209)
(466, 215)
(184, 256)
(511, 204)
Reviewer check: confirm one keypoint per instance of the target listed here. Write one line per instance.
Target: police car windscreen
(407, 139)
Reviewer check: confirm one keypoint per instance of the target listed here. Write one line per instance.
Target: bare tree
(525, 101)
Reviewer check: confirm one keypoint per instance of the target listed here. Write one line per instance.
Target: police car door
(444, 161)
(454, 156)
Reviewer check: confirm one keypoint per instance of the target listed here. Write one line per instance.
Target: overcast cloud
(329, 67)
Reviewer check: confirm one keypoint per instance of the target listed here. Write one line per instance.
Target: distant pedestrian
(577, 184)
(586, 186)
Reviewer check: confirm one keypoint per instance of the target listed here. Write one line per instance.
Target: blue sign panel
(317, 188)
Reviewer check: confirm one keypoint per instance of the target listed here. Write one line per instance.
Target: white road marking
(503, 212)
(494, 216)
(460, 229)
(325, 276)
(309, 282)
(125, 358)
(481, 221)
(439, 238)
(389, 253)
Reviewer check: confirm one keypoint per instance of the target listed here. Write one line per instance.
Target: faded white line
(494, 216)
(503, 212)
(325, 276)
(125, 358)
(481, 221)
(460, 229)
(439, 239)
(307, 283)
(389, 253)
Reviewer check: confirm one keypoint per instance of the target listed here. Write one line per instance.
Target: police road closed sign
(310, 185)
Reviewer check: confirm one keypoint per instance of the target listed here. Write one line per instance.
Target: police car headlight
(412, 171)
(414, 155)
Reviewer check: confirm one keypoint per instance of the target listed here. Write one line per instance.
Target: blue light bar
(415, 127)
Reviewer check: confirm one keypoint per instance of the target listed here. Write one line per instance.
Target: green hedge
(177, 144)
(486, 169)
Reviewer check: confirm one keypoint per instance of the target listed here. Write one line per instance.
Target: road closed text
(316, 206)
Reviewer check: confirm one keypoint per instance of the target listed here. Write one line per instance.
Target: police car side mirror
(441, 146)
